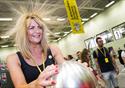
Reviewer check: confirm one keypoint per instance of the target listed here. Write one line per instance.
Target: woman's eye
(40, 27)
(31, 27)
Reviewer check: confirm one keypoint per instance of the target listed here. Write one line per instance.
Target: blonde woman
(32, 66)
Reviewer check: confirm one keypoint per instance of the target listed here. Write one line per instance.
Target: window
(119, 31)
(90, 42)
(106, 36)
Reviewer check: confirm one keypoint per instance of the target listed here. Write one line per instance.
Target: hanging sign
(74, 16)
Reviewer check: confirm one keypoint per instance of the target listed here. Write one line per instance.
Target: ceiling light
(85, 19)
(93, 15)
(5, 46)
(67, 32)
(54, 40)
(82, 22)
(46, 19)
(70, 30)
(14, 45)
(4, 36)
(57, 33)
(58, 39)
(6, 19)
(109, 4)
(64, 34)
(61, 19)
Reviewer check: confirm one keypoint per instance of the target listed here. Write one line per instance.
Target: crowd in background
(104, 74)
(84, 56)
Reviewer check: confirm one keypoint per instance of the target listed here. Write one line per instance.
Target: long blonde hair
(21, 35)
(32, 10)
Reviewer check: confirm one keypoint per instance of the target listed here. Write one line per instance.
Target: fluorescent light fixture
(67, 32)
(55, 40)
(4, 36)
(14, 45)
(109, 4)
(6, 19)
(5, 46)
(93, 15)
(85, 19)
(61, 19)
(58, 39)
(64, 34)
(57, 33)
(46, 19)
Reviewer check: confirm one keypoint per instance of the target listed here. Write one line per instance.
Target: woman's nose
(37, 29)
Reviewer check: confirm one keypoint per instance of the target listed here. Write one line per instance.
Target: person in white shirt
(123, 56)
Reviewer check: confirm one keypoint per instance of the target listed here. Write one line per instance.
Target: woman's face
(34, 32)
(88, 56)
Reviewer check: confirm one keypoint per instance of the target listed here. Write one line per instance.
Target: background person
(123, 55)
(105, 64)
(86, 58)
(120, 57)
(78, 55)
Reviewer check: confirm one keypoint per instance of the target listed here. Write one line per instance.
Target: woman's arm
(59, 58)
(113, 58)
(18, 78)
(16, 74)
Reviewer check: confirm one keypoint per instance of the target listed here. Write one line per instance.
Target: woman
(112, 53)
(86, 60)
(114, 57)
(85, 57)
(27, 66)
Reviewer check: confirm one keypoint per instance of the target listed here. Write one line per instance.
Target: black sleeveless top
(31, 72)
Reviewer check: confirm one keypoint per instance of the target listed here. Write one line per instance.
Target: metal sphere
(74, 75)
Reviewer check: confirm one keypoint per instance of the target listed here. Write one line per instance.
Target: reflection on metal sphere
(74, 75)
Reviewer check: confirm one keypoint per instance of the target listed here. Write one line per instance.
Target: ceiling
(61, 28)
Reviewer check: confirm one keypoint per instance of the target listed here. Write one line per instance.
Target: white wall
(104, 21)
(4, 52)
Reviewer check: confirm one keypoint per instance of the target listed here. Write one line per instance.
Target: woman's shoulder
(54, 47)
(55, 50)
(12, 58)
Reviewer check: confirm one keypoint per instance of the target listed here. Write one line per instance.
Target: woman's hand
(117, 70)
(45, 78)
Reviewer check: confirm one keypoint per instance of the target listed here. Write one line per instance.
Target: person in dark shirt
(105, 64)
(119, 56)
(33, 65)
